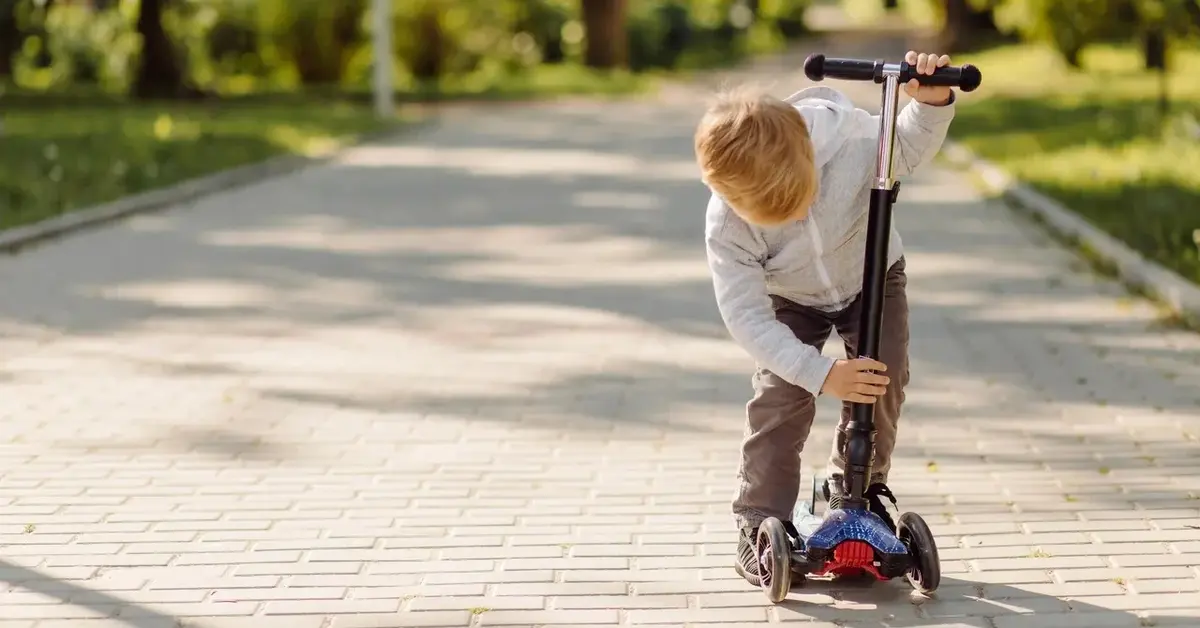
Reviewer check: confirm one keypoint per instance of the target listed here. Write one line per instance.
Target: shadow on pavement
(87, 605)
(959, 603)
(963, 603)
(507, 275)
(554, 233)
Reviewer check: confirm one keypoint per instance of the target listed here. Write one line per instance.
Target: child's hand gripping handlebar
(818, 67)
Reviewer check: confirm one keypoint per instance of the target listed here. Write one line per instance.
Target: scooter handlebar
(818, 67)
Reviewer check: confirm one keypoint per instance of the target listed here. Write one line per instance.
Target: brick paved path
(476, 377)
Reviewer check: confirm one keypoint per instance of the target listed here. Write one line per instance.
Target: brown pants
(780, 415)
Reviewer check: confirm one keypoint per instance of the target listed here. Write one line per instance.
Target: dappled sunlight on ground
(511, 352)
(502, 308)
(507, 162)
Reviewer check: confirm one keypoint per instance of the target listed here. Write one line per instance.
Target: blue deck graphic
(850, 525)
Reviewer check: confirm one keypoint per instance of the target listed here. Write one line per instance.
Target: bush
(234, 42)
(316, 38)
(76, 44)
(236, 46)
(546, 21)
(1072, 25)
(691, 33)
(659, 33)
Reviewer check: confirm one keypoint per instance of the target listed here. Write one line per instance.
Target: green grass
(1094, 140)
(541, 82)
(67, 150)
(61, 154)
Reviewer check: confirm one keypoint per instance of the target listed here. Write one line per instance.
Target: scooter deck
(839, 526)
(844, 541)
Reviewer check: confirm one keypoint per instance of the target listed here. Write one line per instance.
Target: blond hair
(755, 152)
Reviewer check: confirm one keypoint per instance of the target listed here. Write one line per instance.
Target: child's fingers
(910, 57)
(867, 364)
(943, 61)
(857, 398)
(871, 378)
(868, 389)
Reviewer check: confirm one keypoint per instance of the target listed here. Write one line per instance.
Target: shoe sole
(741, 571)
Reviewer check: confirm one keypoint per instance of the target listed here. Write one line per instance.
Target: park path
(474, 376)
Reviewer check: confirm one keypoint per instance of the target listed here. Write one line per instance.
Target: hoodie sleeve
(920, 131)
(735, 258)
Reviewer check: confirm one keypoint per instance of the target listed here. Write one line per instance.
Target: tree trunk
(962, 25)
(607, 41)
(1154, 49)
(10, 40)
(159, 73)
(430, 38)
(11, 37)
(322, 39)
(1072, 56)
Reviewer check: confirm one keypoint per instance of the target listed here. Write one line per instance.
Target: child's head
(755, 151)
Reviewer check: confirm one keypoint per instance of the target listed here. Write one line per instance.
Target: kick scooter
(850, 539)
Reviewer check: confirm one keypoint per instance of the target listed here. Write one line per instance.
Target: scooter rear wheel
(926, 572)
(774, 550)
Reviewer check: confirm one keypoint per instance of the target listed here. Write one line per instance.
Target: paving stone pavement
(475, 377)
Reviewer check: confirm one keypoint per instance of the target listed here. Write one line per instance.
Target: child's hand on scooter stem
(852, 380)
(926, 64)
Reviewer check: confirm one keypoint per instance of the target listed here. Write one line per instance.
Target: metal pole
(382, 39)
(860, 446)
(887, 127)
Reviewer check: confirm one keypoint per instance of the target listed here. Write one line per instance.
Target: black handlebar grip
(965, 77)
(818, 67)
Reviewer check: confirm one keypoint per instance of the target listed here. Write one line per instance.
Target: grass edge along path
(56, 159)
(1093, 139)
(65, 151)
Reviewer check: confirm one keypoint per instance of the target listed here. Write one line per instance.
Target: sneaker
(746, 563)
(833, 491)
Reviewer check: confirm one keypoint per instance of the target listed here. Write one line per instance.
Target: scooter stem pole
(860, 441)
(889, 110)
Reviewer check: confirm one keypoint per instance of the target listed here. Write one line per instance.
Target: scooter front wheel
(925, 574)
(774, 549)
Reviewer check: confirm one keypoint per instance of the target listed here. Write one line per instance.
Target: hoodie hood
(831, 118)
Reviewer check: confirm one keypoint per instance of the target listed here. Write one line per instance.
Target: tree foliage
(168, 47)
(1070, 25)
(229, 46)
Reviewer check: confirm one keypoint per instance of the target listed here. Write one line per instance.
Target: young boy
(785, 232)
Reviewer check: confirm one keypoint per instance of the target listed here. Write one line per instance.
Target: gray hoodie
(816, 262)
